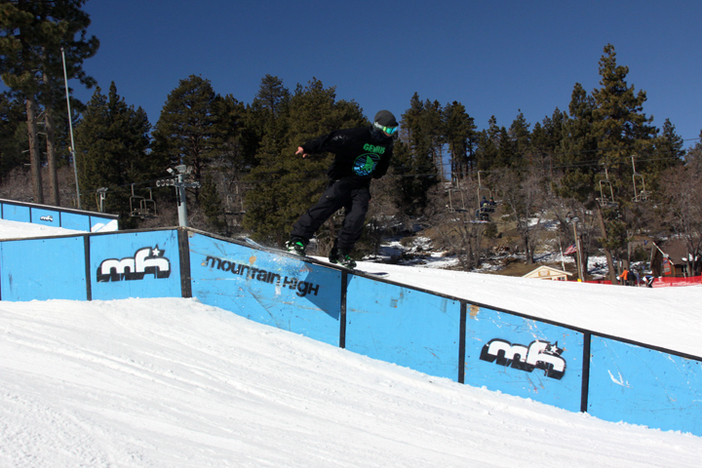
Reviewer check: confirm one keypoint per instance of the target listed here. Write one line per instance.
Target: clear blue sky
(494, 57)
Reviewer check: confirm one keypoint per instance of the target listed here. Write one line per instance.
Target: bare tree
(523, 197)
(682, 189)
(457, 226)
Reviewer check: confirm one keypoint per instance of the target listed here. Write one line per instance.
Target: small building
(548, 273)
(671, 258)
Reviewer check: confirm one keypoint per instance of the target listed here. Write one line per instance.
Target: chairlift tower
(101, 195)
(180, 184)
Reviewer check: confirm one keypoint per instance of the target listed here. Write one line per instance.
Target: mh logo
(145, 261)
(538, 355)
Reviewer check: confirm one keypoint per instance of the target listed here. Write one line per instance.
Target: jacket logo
(538, 355)
(374, 149)
(145, 261)
(365, 164)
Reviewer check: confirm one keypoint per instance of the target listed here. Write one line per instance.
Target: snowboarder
(361, 154)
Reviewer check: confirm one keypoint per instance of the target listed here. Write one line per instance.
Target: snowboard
(310, 259)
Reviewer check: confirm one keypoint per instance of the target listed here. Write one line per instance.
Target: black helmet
(384, 124)
(385, 118)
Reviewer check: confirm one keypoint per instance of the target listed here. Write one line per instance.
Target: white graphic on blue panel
(48, 218)
(538, 355)
(146, 261)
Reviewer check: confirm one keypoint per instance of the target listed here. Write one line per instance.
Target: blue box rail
(472, 343)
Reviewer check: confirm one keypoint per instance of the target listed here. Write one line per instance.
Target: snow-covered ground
(16, 230)
(175, 383)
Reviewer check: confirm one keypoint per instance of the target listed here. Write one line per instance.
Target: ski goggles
(388, 130)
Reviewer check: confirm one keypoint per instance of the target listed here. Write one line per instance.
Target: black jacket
(361, 154)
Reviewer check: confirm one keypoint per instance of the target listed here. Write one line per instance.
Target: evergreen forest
(598, 169)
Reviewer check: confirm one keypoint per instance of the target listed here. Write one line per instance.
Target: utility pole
(578, 260)
(70, 126)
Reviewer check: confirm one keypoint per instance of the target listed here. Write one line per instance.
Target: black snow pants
(339, 194)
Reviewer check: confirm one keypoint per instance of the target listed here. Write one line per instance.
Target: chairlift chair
(484, 209)
(607, 201)
(235, 205)
(142, 207)
(148, 206)
(643, 194)
(134, 204)
(483, 213)
(452, 206)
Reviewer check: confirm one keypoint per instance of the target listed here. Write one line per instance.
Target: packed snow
(175, 383)
(17, 230)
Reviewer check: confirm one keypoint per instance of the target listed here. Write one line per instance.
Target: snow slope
(175, 383)
(17, 230)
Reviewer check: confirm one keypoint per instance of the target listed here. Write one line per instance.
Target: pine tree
(433, 132)
(188, 131)
(266, 117)
(520, 143)
(414, 159)
(211, 203)
(669, 150)
(621, 127)
(112, 140)
(272, 97)
(546, 139)
(13, 134)
(223, 190)
(32, 35)
(232, 125)
(461, 139)
(495, 147)
(285, 184)
(578, 155)
(267, 125)
(622, 131)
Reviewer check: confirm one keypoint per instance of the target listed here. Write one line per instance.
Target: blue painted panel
(643, 386)
(523, 357)
(403, 326)
(135, 264)
(43, 269)
(78, 222)
(46, 217)
(276, 290)
(12, 212)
